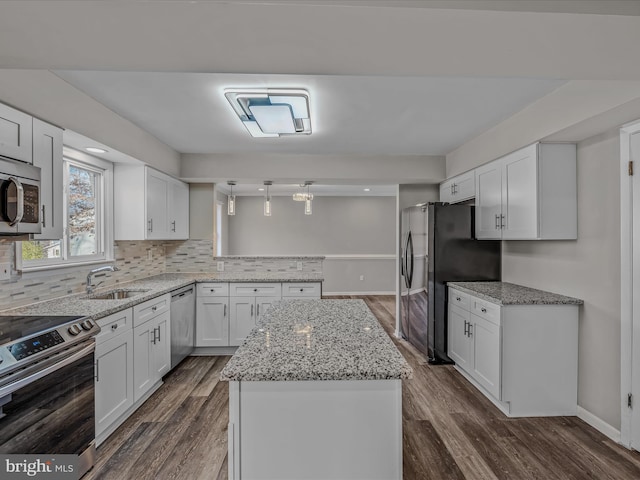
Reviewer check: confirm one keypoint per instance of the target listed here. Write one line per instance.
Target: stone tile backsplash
(135, 259)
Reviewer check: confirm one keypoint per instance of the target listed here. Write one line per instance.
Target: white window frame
(105, 218)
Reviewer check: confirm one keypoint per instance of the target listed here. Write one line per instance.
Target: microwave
(19, 198)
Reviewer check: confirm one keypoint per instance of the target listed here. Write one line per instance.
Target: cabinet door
(263, 304)
(446, 191)
(520, 194)
(16, 134)
(178, 210)
(114, 379)
(157, 204)
(458, 341)
(464, 186)
(486, 354)
(212, 322)
(241, 318)
(47, 154)
(143, 370)
(161, 348)
(489, 201)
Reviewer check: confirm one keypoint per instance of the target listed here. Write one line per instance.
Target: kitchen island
(316, 393)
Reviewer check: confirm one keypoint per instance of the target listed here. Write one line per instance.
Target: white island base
(320, 430)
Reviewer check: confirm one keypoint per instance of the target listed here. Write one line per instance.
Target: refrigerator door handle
(409, 260)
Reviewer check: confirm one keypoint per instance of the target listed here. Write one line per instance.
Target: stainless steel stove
(47, 386)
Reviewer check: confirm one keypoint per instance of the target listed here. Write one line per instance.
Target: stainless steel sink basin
(119, 294)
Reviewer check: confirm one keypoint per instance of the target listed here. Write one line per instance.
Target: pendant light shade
(308, 200)
(267, 200)
(231, 200)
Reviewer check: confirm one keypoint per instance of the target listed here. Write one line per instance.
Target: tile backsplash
(135, 260)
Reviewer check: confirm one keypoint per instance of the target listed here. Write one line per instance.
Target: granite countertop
(504, 293)
(270, 257)
(317, 340)
(155, 286)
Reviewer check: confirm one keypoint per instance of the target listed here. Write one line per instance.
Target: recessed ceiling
(350, 114)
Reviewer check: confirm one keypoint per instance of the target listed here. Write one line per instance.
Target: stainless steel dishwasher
(183, 323)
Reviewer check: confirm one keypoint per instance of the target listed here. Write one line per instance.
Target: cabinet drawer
(459, 299)
(213, 290)
(301, 290)
(486, 310)
(113, 325)
(255, 289)
(147, 310)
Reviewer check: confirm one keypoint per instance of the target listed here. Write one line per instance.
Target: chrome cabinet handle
(114, 326)
(97, 369)
(302, 289)
(502, 223)
(252, 310)
(497, 226)
(154, 308)
(173, 228)
(458, 299)
(455, 188)
(224, 314)
(258, 310)
(44, 221)
(466, 326)
(159, 338)
(20, 199)
(255, 289)
(469, 333)
(483, 310)
(150, 225)
(451, 188)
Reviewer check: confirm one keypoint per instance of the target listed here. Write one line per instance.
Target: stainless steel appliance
(183, 323)
(19, 198)
(47, 386)
(453, 254)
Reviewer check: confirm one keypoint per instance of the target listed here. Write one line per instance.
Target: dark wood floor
(450, 430)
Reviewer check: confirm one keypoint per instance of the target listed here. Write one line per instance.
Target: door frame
(627, 273)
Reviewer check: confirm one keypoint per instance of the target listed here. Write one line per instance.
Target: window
(87, 183)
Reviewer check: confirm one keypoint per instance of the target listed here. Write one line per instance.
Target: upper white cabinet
(458, 189)
(16, 134)
(47, 154)
(150, 205)
(530, 194)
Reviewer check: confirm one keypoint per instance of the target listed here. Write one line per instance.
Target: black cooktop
(16, 327)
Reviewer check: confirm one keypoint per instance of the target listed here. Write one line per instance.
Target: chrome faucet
(106, 268)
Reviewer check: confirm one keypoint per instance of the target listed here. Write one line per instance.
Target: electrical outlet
(361, 277)
(299, 265)
(149, 255)
(220, 266)
(5, 271)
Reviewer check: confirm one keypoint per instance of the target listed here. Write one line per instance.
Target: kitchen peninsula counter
(316, 393)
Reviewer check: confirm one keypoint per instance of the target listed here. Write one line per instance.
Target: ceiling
(350, 114)
(317, 189)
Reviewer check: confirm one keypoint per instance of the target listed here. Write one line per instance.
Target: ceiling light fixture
(95, 150)
(267, 199)
(307, 202)
(261, 189)
(271, 112)
(231, 200)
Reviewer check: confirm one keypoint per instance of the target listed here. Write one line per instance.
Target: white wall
(46, 96)
(201, 211)
(588, 268)
(357, 234)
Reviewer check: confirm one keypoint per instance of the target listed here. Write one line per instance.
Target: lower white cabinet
(227, 312)
(524, 358)
(152, 353)
(114, 370)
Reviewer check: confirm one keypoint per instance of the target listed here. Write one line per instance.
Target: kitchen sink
(119, 294)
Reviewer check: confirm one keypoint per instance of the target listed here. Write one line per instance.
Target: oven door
(50, 410)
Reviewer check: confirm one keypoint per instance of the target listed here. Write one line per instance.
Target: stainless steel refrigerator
(452, 254)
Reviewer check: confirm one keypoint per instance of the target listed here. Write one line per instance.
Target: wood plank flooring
(450, 430)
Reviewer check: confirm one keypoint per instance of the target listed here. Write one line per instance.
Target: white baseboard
(390, 292)
(599, 424)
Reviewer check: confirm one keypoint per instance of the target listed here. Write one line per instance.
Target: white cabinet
(247, 303)
(149, 205)
(151, 346)
(16, 134)
(302, 291)
(212, 315)
(530, 194)
(524, 358)
(458, 189)
(114, 371)
(47, 154)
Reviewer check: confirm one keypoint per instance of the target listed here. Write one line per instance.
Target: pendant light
(267, 199)
(307, 201)
(231, 200)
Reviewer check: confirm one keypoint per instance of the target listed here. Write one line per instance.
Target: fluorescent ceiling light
(272, 112)
(95, 150)
(274, 118)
